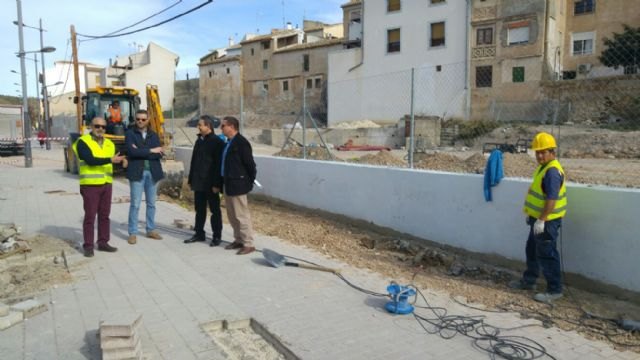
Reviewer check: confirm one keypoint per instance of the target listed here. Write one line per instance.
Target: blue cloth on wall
(493, 173)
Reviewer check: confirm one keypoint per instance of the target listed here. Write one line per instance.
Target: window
(309, 83)
(393, 5)
(484, 76)
(484, 36)
(265, 64)
(305, 62)
(228, 70)
(438, 68)
(437, 34)
(285, 85)
(518, 33)
(582, 43)
(584, 7)
(518, 74)
(265, 87)
(318, 83)
(252, 51)
(393, 40)
(438, 1)
(210, 74)
(266, 44)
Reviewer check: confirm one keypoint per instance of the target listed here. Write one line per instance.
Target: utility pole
(45, 96)
(26, 125)
(76, 79)
(35, 60)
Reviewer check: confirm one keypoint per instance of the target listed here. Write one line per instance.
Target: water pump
(400, 295)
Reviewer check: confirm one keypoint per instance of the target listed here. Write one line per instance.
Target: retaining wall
(599, 236)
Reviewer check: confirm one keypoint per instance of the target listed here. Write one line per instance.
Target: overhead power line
(112, 35)
(145, 19)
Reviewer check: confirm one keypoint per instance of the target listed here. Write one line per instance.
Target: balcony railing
(483, 52)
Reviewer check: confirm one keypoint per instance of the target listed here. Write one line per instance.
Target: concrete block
(29, 308)
(119, 325)
(134, 352)
(14, 317)
(118, 342)
(4, 310)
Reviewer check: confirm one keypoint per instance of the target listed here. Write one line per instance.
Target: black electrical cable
(145, 19)
(107, 36)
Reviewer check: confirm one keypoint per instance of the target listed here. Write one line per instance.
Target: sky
(191, 36)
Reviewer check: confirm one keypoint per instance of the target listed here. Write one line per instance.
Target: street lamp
(45, 95)
(28, 161)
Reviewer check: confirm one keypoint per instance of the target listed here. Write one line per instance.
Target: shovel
(277, 260)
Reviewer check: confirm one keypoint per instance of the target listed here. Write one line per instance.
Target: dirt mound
(313, 153)
(356, 125)
(518, 165)
(383, 158)
(448, 162)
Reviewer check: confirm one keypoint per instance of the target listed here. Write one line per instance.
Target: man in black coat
(238, 173)
(143, 171)
(205, 181)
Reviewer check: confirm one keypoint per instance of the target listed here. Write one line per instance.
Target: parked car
(193, 122)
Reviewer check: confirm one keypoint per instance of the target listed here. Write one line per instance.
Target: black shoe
(107, 248)
(215, 242)
(88, 253)
(193, 239)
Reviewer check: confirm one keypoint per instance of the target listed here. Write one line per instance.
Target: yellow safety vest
(98, 174)
(534, 202)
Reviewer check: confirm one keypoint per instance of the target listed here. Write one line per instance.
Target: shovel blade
(273, 258)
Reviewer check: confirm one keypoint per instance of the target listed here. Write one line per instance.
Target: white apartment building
(154, 65)
(371, 78)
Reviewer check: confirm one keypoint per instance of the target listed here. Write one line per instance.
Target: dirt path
(402, 259)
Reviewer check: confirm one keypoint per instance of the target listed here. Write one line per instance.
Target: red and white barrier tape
(35, 138)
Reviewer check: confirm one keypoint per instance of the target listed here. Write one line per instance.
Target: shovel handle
(312, 267)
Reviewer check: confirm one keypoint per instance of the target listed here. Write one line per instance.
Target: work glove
(538, 227)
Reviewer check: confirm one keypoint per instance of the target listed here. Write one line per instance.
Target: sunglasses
(99, 126)
(141, 119)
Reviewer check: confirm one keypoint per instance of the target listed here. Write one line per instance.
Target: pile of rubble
(313, 153)
(10, 244)
(382, 158)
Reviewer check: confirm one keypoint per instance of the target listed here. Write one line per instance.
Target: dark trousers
(97, 201)
(201, 199)
(542, 254)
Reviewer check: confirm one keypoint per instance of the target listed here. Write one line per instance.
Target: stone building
(220, 81)
(514, 47)
(588, 23)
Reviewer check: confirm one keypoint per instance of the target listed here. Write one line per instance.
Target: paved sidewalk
(178, 287)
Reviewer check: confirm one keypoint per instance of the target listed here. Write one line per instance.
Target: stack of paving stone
(14, 314)
(119, 338)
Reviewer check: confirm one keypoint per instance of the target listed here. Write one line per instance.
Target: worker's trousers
(542, 255)
(97, 201)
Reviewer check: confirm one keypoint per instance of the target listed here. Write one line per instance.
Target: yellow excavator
(97, 101)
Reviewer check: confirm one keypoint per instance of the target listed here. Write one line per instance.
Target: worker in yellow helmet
(545, 206)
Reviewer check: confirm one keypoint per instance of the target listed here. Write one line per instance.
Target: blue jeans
(542, 254)
(149, 186)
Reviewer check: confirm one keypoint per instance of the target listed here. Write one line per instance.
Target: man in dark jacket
(144, 171)
(238, 173)
(205, 181)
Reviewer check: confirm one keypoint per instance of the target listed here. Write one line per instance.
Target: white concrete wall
(599, 236)
(380, 88)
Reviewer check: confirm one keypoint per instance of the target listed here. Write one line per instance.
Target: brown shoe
(234, 245)
(154, 235)
(132, 239)
(246, 250)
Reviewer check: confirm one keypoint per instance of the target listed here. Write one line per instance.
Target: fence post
(412, 126)
(304, 121)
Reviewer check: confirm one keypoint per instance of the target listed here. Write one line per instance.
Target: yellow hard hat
(543, 141)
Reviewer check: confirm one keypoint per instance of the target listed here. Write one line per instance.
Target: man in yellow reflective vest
(96, 156)
(545, 206)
